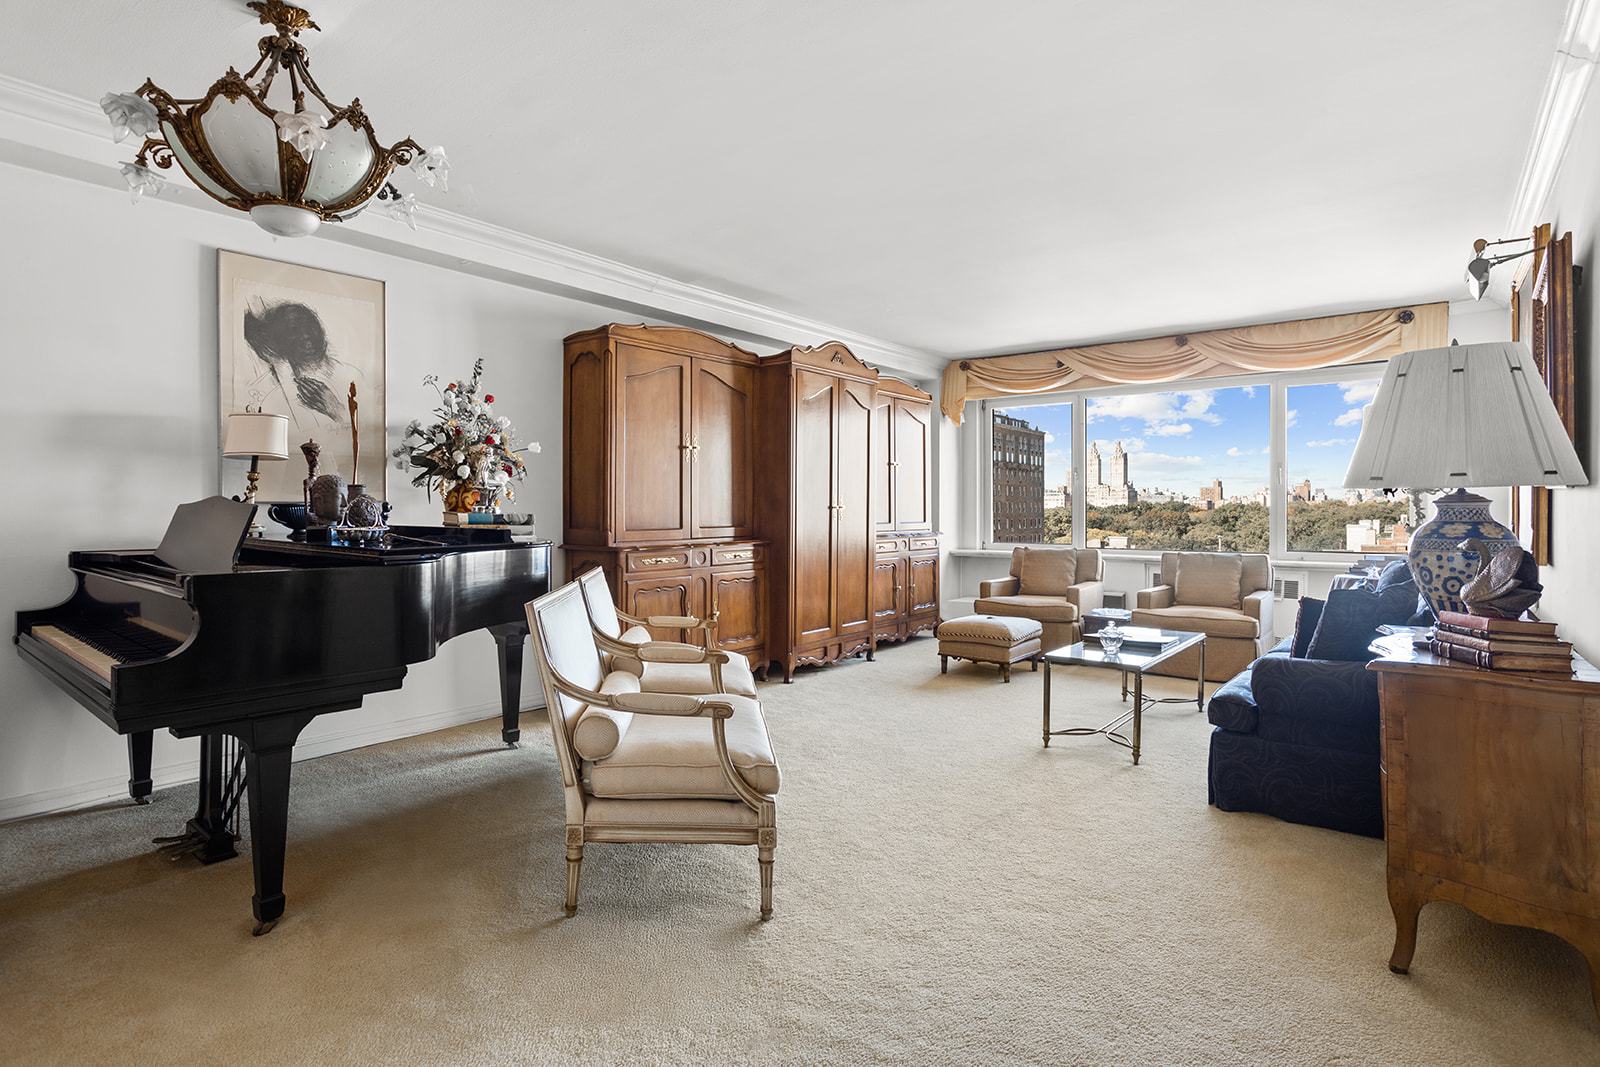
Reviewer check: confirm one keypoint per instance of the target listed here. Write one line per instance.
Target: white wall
(110, 420)
(1572, 580)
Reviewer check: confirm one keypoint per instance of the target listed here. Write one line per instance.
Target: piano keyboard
(111, 643)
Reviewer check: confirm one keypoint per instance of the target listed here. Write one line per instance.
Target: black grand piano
(233, 638)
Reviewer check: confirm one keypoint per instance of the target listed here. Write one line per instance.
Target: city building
(1103, 493)
(1018, 481)
(1212, 492)
(1369, 535)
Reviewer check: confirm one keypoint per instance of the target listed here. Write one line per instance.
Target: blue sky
(1180, 441)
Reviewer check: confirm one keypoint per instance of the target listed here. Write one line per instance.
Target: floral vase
(1437, 560)
(458, 496)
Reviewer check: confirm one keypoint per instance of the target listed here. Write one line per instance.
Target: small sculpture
(364, 511)
(355, 435)
(1507, 582)
(313, 453)
(328, 499)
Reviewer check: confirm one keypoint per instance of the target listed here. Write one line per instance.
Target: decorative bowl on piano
(286, 513)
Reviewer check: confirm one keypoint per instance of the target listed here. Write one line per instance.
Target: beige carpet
(948, 892)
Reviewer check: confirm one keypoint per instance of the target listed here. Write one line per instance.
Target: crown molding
(66, 136)
(1565, 89)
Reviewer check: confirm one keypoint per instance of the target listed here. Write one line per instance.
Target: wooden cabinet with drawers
(1491, 786)
(658, 483)
(905, 586)
(905, 573)
(728, 580)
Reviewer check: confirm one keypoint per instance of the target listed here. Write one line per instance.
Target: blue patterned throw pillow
(1351, 618)
(1305, 625)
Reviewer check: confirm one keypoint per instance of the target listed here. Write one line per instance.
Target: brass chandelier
(292, 165)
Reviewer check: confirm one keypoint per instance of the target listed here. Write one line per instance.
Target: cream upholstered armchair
(641, 766)
(1225, 595)
(662, 666)
(1051, 585)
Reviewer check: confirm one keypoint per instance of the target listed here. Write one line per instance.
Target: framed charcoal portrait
(308, 344)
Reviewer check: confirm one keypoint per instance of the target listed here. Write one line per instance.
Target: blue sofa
(1298, 739)
(1297, 731)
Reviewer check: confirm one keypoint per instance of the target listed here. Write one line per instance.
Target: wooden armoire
(659, 477)
(788, 494)
(814, 504)
(905, 570)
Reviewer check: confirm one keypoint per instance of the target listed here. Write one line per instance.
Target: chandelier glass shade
(270, 142)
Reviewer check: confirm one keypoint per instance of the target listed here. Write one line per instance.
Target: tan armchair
(1225, 595)
(649, 766)
(662, 666)
(1051, 585)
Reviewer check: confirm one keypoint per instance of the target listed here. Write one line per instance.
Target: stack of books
(1501, 644)
(474, 518)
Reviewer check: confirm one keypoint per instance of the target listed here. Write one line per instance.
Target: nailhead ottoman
(988, 639)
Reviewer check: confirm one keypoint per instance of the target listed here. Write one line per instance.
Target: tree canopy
(1314, 526)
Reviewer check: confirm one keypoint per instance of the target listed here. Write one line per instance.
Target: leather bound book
(1502, 661)
(1496, 626)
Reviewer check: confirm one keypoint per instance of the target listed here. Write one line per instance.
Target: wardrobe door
(653, 453)
(815, 436)
(913, 432)
(883, 420)
(722, 449)
(856, 535)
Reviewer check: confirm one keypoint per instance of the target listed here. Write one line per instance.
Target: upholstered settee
(1296, 732)
(1225, 595)
(1053, 586)
(1298, 739)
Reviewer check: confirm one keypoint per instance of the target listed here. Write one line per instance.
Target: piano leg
(139, 755)
(269, 751)
(510, 641)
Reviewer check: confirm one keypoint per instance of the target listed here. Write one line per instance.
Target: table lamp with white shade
(256, 435)
(1467, 415)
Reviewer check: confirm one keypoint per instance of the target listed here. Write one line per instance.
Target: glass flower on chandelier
(468, 450)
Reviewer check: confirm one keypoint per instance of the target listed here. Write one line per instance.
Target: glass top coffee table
(1134, 659)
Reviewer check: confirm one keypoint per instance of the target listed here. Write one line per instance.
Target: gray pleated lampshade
(1466, 415)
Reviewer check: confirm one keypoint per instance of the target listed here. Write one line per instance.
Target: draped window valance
(1276, 346)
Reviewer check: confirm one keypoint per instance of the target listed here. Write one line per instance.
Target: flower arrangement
(469, 450)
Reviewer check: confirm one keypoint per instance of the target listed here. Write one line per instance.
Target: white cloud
(1359, 393)
(1163, 414)
(1156, 459)
(1049, 438)
(1241, 451)
(1331, 442)
(1293, 415)
(1350, 418)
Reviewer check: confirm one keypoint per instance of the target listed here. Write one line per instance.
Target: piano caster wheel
(513, 744)
(263, 928)
(141, 800)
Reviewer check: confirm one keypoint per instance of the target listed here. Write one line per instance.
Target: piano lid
(204, 537)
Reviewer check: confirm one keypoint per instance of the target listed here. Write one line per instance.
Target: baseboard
(104, 790)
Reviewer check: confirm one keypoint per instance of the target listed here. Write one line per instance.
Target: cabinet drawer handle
(656, 561)
(740, 555)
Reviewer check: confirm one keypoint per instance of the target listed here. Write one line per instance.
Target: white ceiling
(953, 177)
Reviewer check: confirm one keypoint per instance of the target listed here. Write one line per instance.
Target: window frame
(1277, 382)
